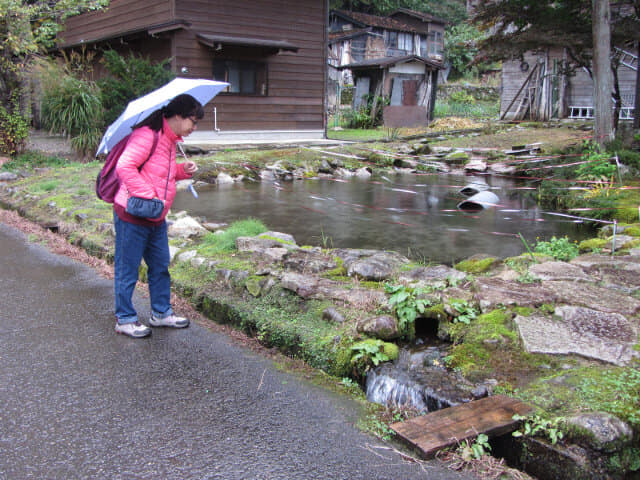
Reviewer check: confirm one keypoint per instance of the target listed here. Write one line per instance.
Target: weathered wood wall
(579, 91)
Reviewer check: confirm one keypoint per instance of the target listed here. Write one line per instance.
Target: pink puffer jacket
(151, 181)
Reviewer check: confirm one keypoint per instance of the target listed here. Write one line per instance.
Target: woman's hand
(190, 167)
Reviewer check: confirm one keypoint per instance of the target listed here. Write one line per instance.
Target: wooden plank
(444, 428)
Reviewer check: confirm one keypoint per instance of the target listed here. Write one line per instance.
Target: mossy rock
(476, 264)
(380, 160)
(592, 244)
(458, 158)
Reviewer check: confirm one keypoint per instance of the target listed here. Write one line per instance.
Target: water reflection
(414, 215)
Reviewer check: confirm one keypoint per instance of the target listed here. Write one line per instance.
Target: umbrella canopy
(138, 109)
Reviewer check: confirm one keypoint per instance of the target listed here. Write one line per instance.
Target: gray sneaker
(134, 329)
(171, 321)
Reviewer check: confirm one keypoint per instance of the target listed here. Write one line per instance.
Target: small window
(245, 77)
(392, 39)
(405, 42)
(436, 46)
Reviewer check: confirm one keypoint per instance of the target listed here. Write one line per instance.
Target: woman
(146, 172)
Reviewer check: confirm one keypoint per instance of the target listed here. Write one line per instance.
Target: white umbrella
(138, 109)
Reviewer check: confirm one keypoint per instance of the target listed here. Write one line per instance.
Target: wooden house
(397, 57)
(272, 52)
(536, 88)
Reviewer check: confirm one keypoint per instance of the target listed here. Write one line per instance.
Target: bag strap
(153, 149)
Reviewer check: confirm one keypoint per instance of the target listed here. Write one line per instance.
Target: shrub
(361, 118)
(462, 97)
(129, 78)
(558, 248)
(71, 106)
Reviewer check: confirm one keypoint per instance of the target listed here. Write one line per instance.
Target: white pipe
(215, 120)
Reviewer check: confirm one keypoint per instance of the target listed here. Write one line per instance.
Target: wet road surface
(78, 401)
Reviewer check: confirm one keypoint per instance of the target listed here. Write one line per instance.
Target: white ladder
(627, 59)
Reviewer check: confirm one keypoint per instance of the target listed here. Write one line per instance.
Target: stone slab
(608, 337)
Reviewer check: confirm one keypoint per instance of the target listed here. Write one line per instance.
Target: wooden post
(562, 88)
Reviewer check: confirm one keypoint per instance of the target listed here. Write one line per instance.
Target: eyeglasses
(194, 121)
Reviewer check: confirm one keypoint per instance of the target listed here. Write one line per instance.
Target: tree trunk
(602, 76)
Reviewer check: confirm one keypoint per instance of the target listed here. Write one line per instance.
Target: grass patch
(31, 160)
(225, 242)
(478, 109)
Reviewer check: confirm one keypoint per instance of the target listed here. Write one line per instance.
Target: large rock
(384, 327)
(224, 178)
(438, 276)
(311, 286)
(559, 271)
(592, 296)
(264, 241)
(302, 285)
(619, 272)
(186, 227)
(306, 261)
(7, 176)
(608, 337)
(604, 432)
(377, 267)
(360, 298)
(476, 165)
(502, 168)
(492, 293)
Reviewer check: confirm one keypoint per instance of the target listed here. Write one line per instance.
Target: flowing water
(415, 215)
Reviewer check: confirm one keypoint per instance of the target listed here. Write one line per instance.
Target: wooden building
(536, 88)
(409, 82)
(273, 53)
(394, 56)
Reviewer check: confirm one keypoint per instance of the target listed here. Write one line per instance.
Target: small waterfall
(387, 390)
(417, 379)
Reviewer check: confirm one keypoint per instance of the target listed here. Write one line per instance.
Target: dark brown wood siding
(122, 16)
(295, 80)
(295, 98)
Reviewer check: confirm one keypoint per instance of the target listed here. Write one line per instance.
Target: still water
(415, 215)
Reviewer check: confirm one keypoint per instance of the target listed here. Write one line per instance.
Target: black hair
(184, 105)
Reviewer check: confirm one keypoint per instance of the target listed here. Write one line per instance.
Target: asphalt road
(78, 401)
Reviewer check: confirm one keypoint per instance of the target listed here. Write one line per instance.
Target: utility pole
(602, 76)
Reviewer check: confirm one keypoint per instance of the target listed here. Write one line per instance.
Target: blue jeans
(133, 243)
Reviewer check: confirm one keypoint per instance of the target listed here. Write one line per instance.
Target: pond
(415, 215)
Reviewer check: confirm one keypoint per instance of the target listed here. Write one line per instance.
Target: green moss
(457, 157)
(634, 231)
(489, 346)
(615, 390)
(547, 308)
(592, 244)
(436, 312)
(253, 285)
(280, 240)
(476, 266)
(63, 200)
(523, 311)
